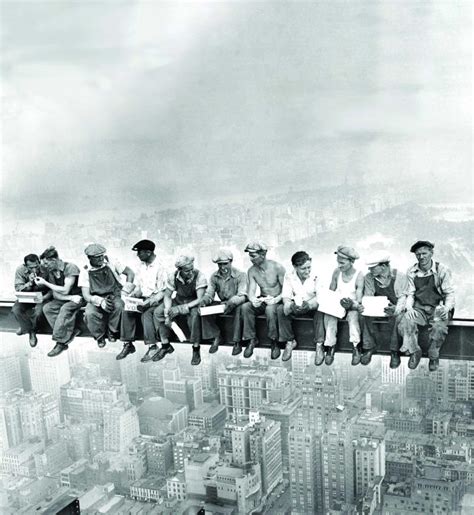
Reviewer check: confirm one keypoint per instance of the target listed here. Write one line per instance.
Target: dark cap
(421, 243)
(144, 245)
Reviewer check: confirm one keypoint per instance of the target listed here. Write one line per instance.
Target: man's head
(257, 251)
(96, 254)
(379, 264)
(145, 250)
(32, 263)
(185, 265)
(345, 257)
(301, 262)
(423, 251)
(223, 259)
(50, 258)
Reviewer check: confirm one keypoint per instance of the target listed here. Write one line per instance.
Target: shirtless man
(268, 275)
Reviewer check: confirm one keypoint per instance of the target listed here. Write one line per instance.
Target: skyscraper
(369, 462)
(120, 426)
(48, 375)
(10, 378)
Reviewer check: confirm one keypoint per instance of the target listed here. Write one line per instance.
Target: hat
(223, 256)
(94, 250)
(144, 245)
(256, 246)
(378, 258)
(347, 252)
(421, 243)
(183, 260)
(49, 253)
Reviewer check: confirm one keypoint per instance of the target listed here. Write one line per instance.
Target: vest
(185, 292)
(59, 281)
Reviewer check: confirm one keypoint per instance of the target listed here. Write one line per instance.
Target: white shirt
(150, 278)
(116, 267)
(298, 291)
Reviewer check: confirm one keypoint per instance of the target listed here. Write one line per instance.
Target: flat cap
(421, 243)
(256, 246)
(94, 249)
(223, 256)
(183, 260)
(144, 245)
(377, 258)
(50, 252)
(347, 252)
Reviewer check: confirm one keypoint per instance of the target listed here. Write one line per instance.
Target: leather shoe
(319, 355)
(196, 359)
(414, 360)
(355, 356)
(236, 349)
(276, 351)
(128, 348)
(101, 342)
(148, 356)
(329, 359)
(112, 337)
(366, 357)
(433, 364)
(250, 347)
(169, 349)
(288, 350)
(20, 332)
(33, 339)
(57, 349)
(395, 360)
(215, 344)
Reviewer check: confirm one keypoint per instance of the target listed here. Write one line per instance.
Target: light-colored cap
(377, 258)
(94, 250)
(256, 246)
(223, 256)
(347, 252)
(183, 260)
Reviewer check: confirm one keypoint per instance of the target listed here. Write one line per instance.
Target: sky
(134, 102)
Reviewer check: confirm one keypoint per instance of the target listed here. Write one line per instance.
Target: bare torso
(268, 277)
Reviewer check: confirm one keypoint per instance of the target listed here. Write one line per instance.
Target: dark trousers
(27, 315)
(193, 320)
(369, 332)
(285, 325)
(210, 328)
(99, 322)
(249, 313)
(61, 316)
(129, 325)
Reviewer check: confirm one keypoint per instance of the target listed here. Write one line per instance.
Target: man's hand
(127, 288)
(346, 303)
(288, 308)
(411, 313)
(31, 278)
(256, 303)
(107, 305)
(441, 312)
(168, 321)
(76, 298)
(389, 310)
(269, 301)
(182, 309)
(231, 304)
(40, 281)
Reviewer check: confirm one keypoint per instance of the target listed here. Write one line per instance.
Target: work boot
(319, 355)
(366, 357)
(250, 347)
(148, 356)
(33, 339)
(196, 356)
(165, 349)
(329, 359)
(433, 364)
(288, 350)
(236, 349)
(128, 348)
(395, 359)
(57, 349)
(275, 350)
(215, 344)
(20, 332)
(101, 342)
(355, 356)
(414, 360)
(112, 337)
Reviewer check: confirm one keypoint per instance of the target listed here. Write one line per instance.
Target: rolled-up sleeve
(447, 288)
(287, 288)
(201, 281)
(21, 280)
(410, 288)
(242, 285)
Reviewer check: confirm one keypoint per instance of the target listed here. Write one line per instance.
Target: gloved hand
(390, 310)
(76, 298)
(127, 288)
(107, 305)
(346, 303)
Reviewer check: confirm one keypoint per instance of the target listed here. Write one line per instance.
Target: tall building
(210, 417)
(159, 417)
(246, 387)
(369, 462)
(187, 391)
(240, 437)
(207, 372)
(10, 378)
(120, 426)
(391, 375)
(195, 470)
(265, 449)
(299, 361)
(48, 375)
